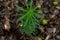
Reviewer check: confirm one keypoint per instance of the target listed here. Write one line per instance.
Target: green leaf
(34, 19)
(26, 22)
(20, 8)
(37, 6)
(39, 15)
(31, 2)
(21, 18)
(32, 23)
(25, 2)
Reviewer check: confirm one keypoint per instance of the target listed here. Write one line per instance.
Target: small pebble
(58, 36)
(58, 7)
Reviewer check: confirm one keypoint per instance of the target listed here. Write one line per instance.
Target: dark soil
(9, 28)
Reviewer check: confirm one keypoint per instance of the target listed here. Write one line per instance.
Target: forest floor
(9, 28)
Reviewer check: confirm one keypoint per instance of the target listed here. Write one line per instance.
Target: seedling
(55, 3)
(29, 18)
(39, 5)
(44, 22)
(39, 38)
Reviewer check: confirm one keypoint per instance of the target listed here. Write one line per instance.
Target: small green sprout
(44, 22)
(55, 3)
(39, 38)
(39, 6)
(29, 18)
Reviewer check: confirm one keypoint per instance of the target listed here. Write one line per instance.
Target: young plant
(55, 3)
(29, 18)
(44, 22)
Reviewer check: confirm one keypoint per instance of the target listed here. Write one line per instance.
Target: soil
(9, 28)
